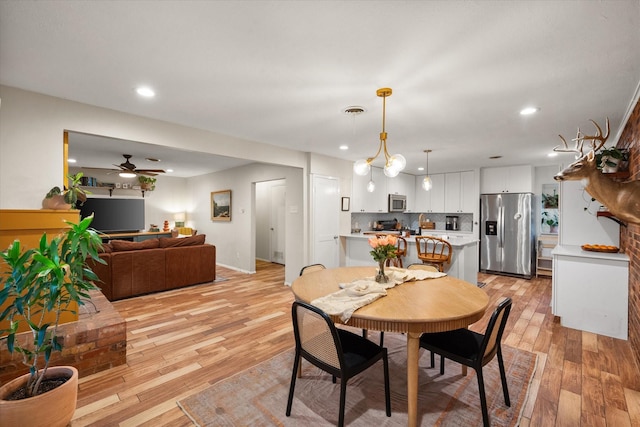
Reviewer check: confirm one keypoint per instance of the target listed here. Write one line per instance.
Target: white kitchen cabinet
(590, 290)
(403, 184)
(459, 194)
(510, 179)
(432, 200)
(362, 200)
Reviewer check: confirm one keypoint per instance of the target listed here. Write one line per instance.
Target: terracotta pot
(53, 408)
(56, 202)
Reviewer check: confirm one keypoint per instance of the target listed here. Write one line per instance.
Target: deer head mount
(621, 198)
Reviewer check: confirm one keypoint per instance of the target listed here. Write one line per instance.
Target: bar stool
(401, 251)
(433, 250)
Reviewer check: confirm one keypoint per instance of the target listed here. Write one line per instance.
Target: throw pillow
(171, 242)
(123, 245)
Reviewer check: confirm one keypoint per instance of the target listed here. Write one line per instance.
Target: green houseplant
(67, 198)
(36, 287)
(608, 159)
(147, 183)
(550, 201)
(550, 219)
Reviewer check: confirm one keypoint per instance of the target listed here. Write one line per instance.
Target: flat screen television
(113, 215)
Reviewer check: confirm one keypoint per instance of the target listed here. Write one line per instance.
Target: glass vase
(380, 276)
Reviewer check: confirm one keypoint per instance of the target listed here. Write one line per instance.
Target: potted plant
(147, 183)
(36, 287)
(551, 220)
(67, 198)
(608, 159)
(550, 201)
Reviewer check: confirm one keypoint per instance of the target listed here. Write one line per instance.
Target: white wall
(235, 240)
(579, 226)
(31, 162)
(32, 125)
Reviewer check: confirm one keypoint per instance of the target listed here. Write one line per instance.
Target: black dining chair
(315, 267)
(474, 350)
(341, 353)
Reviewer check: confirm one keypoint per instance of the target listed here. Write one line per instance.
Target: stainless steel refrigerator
(507, 243)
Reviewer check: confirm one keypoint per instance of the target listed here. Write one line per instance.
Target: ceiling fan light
(127, 175)
(426, 183)
(361, 167)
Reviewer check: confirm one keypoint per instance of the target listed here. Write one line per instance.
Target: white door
(277, 221)
(325, 221)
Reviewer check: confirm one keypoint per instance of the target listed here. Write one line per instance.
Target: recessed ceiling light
(529, 110)
(552, 154)
(71, 160)
(169, 170)
(145, 91)
(421, 168)
(344, 147)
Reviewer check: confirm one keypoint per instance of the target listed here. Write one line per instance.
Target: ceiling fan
(128, 167)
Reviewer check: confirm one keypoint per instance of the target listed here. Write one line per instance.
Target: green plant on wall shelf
(609, 158)
(147, 183)
(550, 201)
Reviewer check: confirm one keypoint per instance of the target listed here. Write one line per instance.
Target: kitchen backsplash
(365, 221)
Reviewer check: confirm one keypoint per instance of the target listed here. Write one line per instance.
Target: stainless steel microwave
(397, 203)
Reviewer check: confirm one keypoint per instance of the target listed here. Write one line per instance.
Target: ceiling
(282, 72)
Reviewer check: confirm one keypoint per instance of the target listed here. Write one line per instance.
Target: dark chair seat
(474, 350)
(316, 267)
(338, 352)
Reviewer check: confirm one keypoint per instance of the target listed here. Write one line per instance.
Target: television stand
(135, 236)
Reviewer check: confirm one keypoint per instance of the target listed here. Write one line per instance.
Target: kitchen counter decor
(384, 247)
(600, 248)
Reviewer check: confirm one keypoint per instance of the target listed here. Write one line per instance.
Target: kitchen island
(464, 260)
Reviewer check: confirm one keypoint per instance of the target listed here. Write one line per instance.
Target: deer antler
(580, 138)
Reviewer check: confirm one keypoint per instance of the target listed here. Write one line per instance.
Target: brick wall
(96, 342)
(630, 236)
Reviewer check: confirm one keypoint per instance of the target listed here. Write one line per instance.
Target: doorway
(270, 221)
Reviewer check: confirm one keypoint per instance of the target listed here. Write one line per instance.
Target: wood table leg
(413, 354)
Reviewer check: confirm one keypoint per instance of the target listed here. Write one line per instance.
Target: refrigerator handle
(500, 224)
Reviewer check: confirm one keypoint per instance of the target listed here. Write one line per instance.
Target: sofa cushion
(123, 245)
(105, 248)
(172, 242)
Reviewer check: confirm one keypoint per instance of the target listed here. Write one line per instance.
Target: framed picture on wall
(345, 203)
(221, 205)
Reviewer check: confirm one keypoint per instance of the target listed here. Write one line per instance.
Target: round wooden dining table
(431, 305)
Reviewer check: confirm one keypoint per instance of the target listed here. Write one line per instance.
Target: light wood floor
(180, 342)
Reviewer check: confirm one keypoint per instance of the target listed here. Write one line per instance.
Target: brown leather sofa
(154, 265)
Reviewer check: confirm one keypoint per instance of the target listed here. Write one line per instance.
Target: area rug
(258, 395)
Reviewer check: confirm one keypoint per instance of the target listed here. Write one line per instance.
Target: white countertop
(577, 251)
(456, 240)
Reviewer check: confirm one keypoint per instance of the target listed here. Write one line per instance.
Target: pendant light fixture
(393, 163)
(371, 186)
(426, 182)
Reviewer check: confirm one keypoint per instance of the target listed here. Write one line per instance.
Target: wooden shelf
(607, 214)
(544, 260)
(618, 175)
